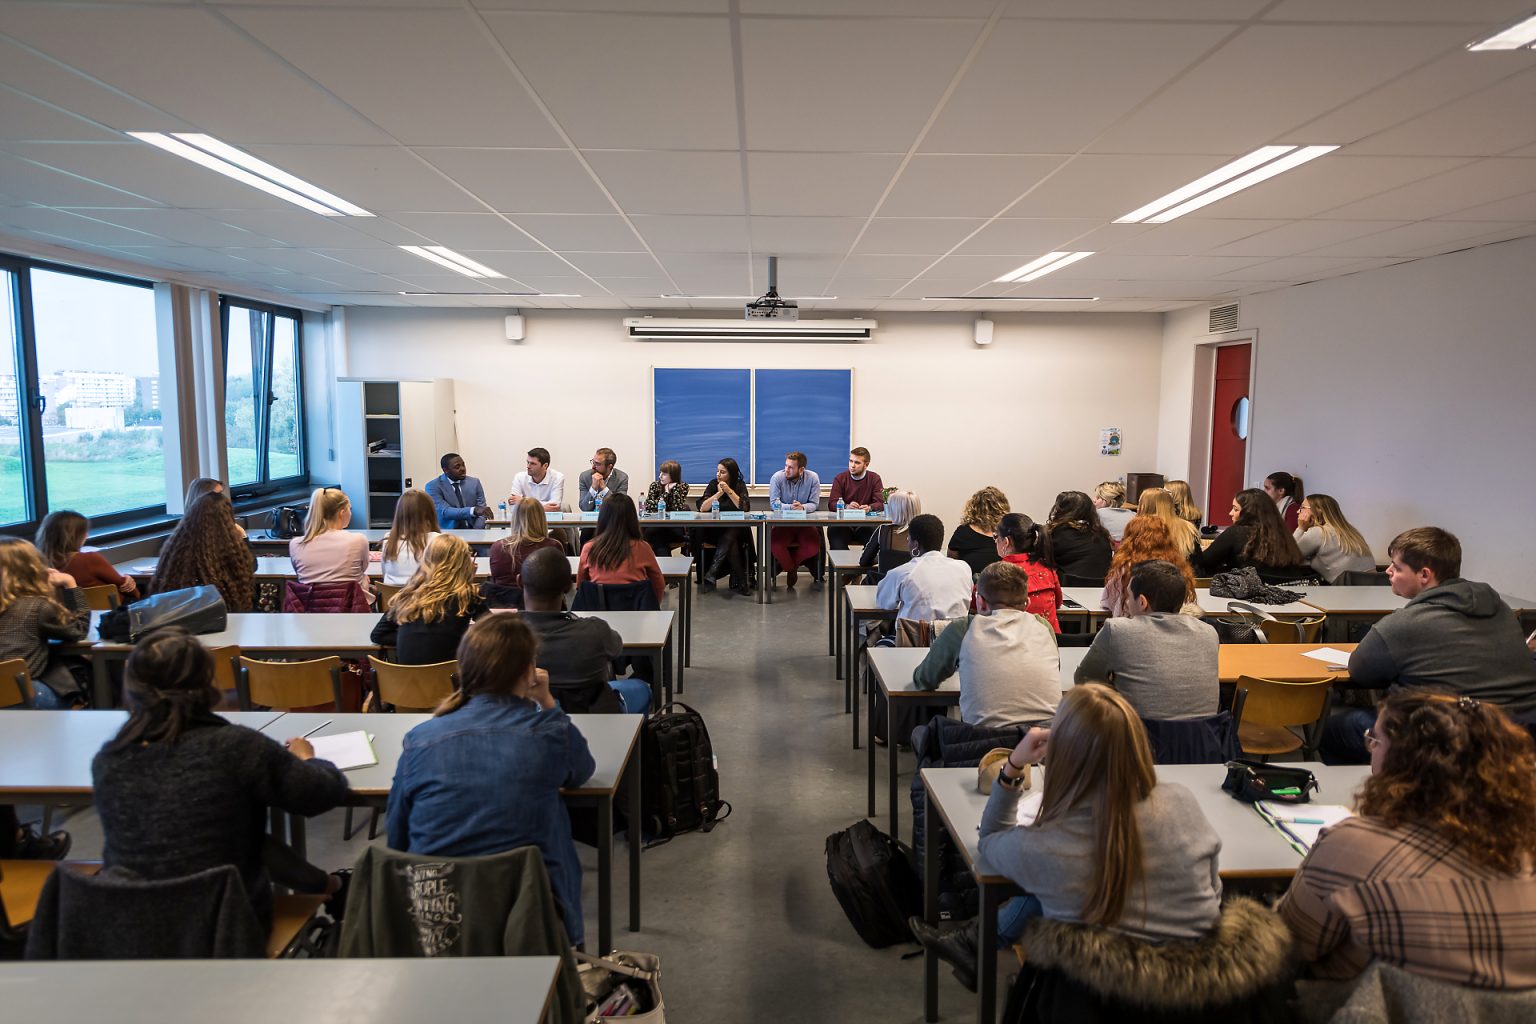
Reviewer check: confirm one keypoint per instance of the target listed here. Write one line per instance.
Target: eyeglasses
(1372, 741)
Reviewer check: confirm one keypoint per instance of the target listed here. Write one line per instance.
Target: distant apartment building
(9, 397)
(91, 389)
(149, 393)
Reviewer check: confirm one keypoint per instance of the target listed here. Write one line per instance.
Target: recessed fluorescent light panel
(1047, 264)
(209, 152)
(1260, 165)
(446, 257)
(1515, 37)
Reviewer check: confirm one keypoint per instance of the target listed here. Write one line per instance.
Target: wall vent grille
(1223, 318)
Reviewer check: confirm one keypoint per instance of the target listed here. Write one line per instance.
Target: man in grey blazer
(458, 497)
(601, 479)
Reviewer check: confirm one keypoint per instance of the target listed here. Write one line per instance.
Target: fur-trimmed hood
(1249, 950)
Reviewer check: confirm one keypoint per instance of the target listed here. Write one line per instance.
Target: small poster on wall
(1109, 441)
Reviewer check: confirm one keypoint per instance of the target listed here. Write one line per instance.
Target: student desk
(1250, 848)
(510, 990)
(863, 606)
(1084, 607)
(842, 566)
(277, 567)
(766, 570)
(45, 757)
(612, 738)
(1212, 605)
(269, 545)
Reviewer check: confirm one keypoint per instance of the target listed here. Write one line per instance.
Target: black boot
(955, 945)
(721, 561)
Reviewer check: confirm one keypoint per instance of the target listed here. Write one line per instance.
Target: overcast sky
(86, 324)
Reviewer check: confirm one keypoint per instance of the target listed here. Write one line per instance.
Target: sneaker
(32, 846)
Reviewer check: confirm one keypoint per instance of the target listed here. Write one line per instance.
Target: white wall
(1407, 393)
(939, 414)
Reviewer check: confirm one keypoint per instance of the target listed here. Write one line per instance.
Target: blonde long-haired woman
(38, 605)
(1328, 542)
(888, 548)
(529, 532)
(427, 619)
(975, 539)
(1184, 501)
(414, 526)
(1155, 501)
(329, 552)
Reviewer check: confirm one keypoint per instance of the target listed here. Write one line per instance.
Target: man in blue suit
(459, 498)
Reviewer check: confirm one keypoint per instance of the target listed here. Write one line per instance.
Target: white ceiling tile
(818, 184)
(1002, 105)
(1292, 268)
(1171, 10)
(1484, 124)
(580, 232)
(1410, 239)
(915, 234)
(964, 186)
(1267, 81)
(615, 264)
(1184, 237)
(629, 6)
(376, 61)
(889, 265)
(134, 48)
(671, 85)
(808, 88)
(1156, 268)
(804, 234)
(866, 288)
(377, 178)
(1519, 208)
(515, 181)
(1010, 236)
(1505, 233)
(870, 8)
(463, 231)
(22, 117)
(1302, 236)
(147, 172)
(185, 227)
(46, 80)
(385, 230)
(1325, 184)
(33, 182)
(980, 270)
(671, 182)
(1107, 187)
(523, 264)
(74, 227)
(309, 261)
(692, 234)
(295, 227)
(638, 287)
(1456, 189)
(1472, 12)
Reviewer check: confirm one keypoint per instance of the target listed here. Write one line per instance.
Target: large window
(13, 470)
(263, 394)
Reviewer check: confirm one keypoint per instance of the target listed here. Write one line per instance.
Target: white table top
(637, 629)
(283, 631)
(509, 990)
(1351, 599)
(843, 560)
(1249, 845)
(1211, 605)
(611, 738)
(1089, 597)
(672, 566)
(863, 600)
(893, 667)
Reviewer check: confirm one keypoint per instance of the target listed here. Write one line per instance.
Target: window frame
(265, 483)
(34, 460)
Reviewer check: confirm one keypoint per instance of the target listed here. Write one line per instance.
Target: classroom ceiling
(885, 150)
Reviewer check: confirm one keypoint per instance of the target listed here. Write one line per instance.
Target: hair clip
(1466, 703)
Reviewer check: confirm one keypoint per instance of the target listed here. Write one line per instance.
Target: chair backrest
(1069, 580)
(414, 687)
(1271, 702)
(1292, 631)
(386, 592)
(1202, 582)
(919, 632)
(289, 685)
(325, 597)
(1356, 578)
(615, 597)
(226, 672)
(15, 683)
(101, 599)
(1210, 740)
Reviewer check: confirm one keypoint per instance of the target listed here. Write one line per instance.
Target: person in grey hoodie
(1454, 635)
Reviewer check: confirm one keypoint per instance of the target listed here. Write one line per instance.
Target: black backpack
(873, 878)
(681, 786)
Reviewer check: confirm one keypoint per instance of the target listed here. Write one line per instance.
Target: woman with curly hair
(975, 539)
(1146, 538)
(431, 613)
(208, 549)
(1435, 874)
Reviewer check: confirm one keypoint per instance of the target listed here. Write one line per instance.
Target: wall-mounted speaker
(983, 332)
(515, 328)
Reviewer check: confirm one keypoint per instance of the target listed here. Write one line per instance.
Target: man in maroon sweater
(862, 490)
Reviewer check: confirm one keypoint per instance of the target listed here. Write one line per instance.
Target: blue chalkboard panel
(804, 410)
(702, 416)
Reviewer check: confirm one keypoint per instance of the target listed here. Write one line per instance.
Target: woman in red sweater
(619, 553)
(60, 538)
(1026, 544)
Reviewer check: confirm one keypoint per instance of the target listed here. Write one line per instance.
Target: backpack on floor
(680, 784)
(873, 878)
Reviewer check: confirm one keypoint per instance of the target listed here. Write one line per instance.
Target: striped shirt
(1408, 897)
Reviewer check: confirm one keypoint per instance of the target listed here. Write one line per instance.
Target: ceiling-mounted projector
(770, 306)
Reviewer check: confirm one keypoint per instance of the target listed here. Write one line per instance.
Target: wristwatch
(1011, 781)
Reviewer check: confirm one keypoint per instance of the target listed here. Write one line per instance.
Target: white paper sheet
(1303, 822)
(1330, 655)
(346, 749)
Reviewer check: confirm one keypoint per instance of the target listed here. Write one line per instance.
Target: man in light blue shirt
(795, 487)
(458, 497)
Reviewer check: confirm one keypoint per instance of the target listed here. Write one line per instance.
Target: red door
(1229, 431)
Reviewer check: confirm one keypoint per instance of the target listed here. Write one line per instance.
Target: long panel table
(1250, 848)
(45, 757)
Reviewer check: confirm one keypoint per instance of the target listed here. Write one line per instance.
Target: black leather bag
(288, 521)
(195, 609)
(1251, 781)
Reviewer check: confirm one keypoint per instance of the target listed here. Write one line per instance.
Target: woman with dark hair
(618, 553)
(731, 544)
(180, 790)
(1025, 543)
(1287, 493)
(1443, 840)
(483, 776)
(1081, 545)
(61, 538)
(1256, 537)
(208, 549)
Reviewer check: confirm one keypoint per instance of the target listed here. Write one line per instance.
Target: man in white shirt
(931, 586)
(540, 482)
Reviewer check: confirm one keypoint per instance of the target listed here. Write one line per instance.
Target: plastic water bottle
(841, 505)
(714, 508)
(597, 503)
(501, 511)
(778, 506)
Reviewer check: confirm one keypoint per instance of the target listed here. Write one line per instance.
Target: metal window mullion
(261, 385)
(34, 466)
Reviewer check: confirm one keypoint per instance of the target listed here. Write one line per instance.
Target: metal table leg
(930, 905)
(604, 875)
(636, 836)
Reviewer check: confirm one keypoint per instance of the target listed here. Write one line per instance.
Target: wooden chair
(15, 683)
(1273, 709)
(289, 685)
(1203, 582)
(386, 592)
(291, 917)
(414, 688)
(103, 598)
(226, 673)
(1293, 631)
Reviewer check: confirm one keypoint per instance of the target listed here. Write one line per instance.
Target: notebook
(346, 749)
(1301, 824)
